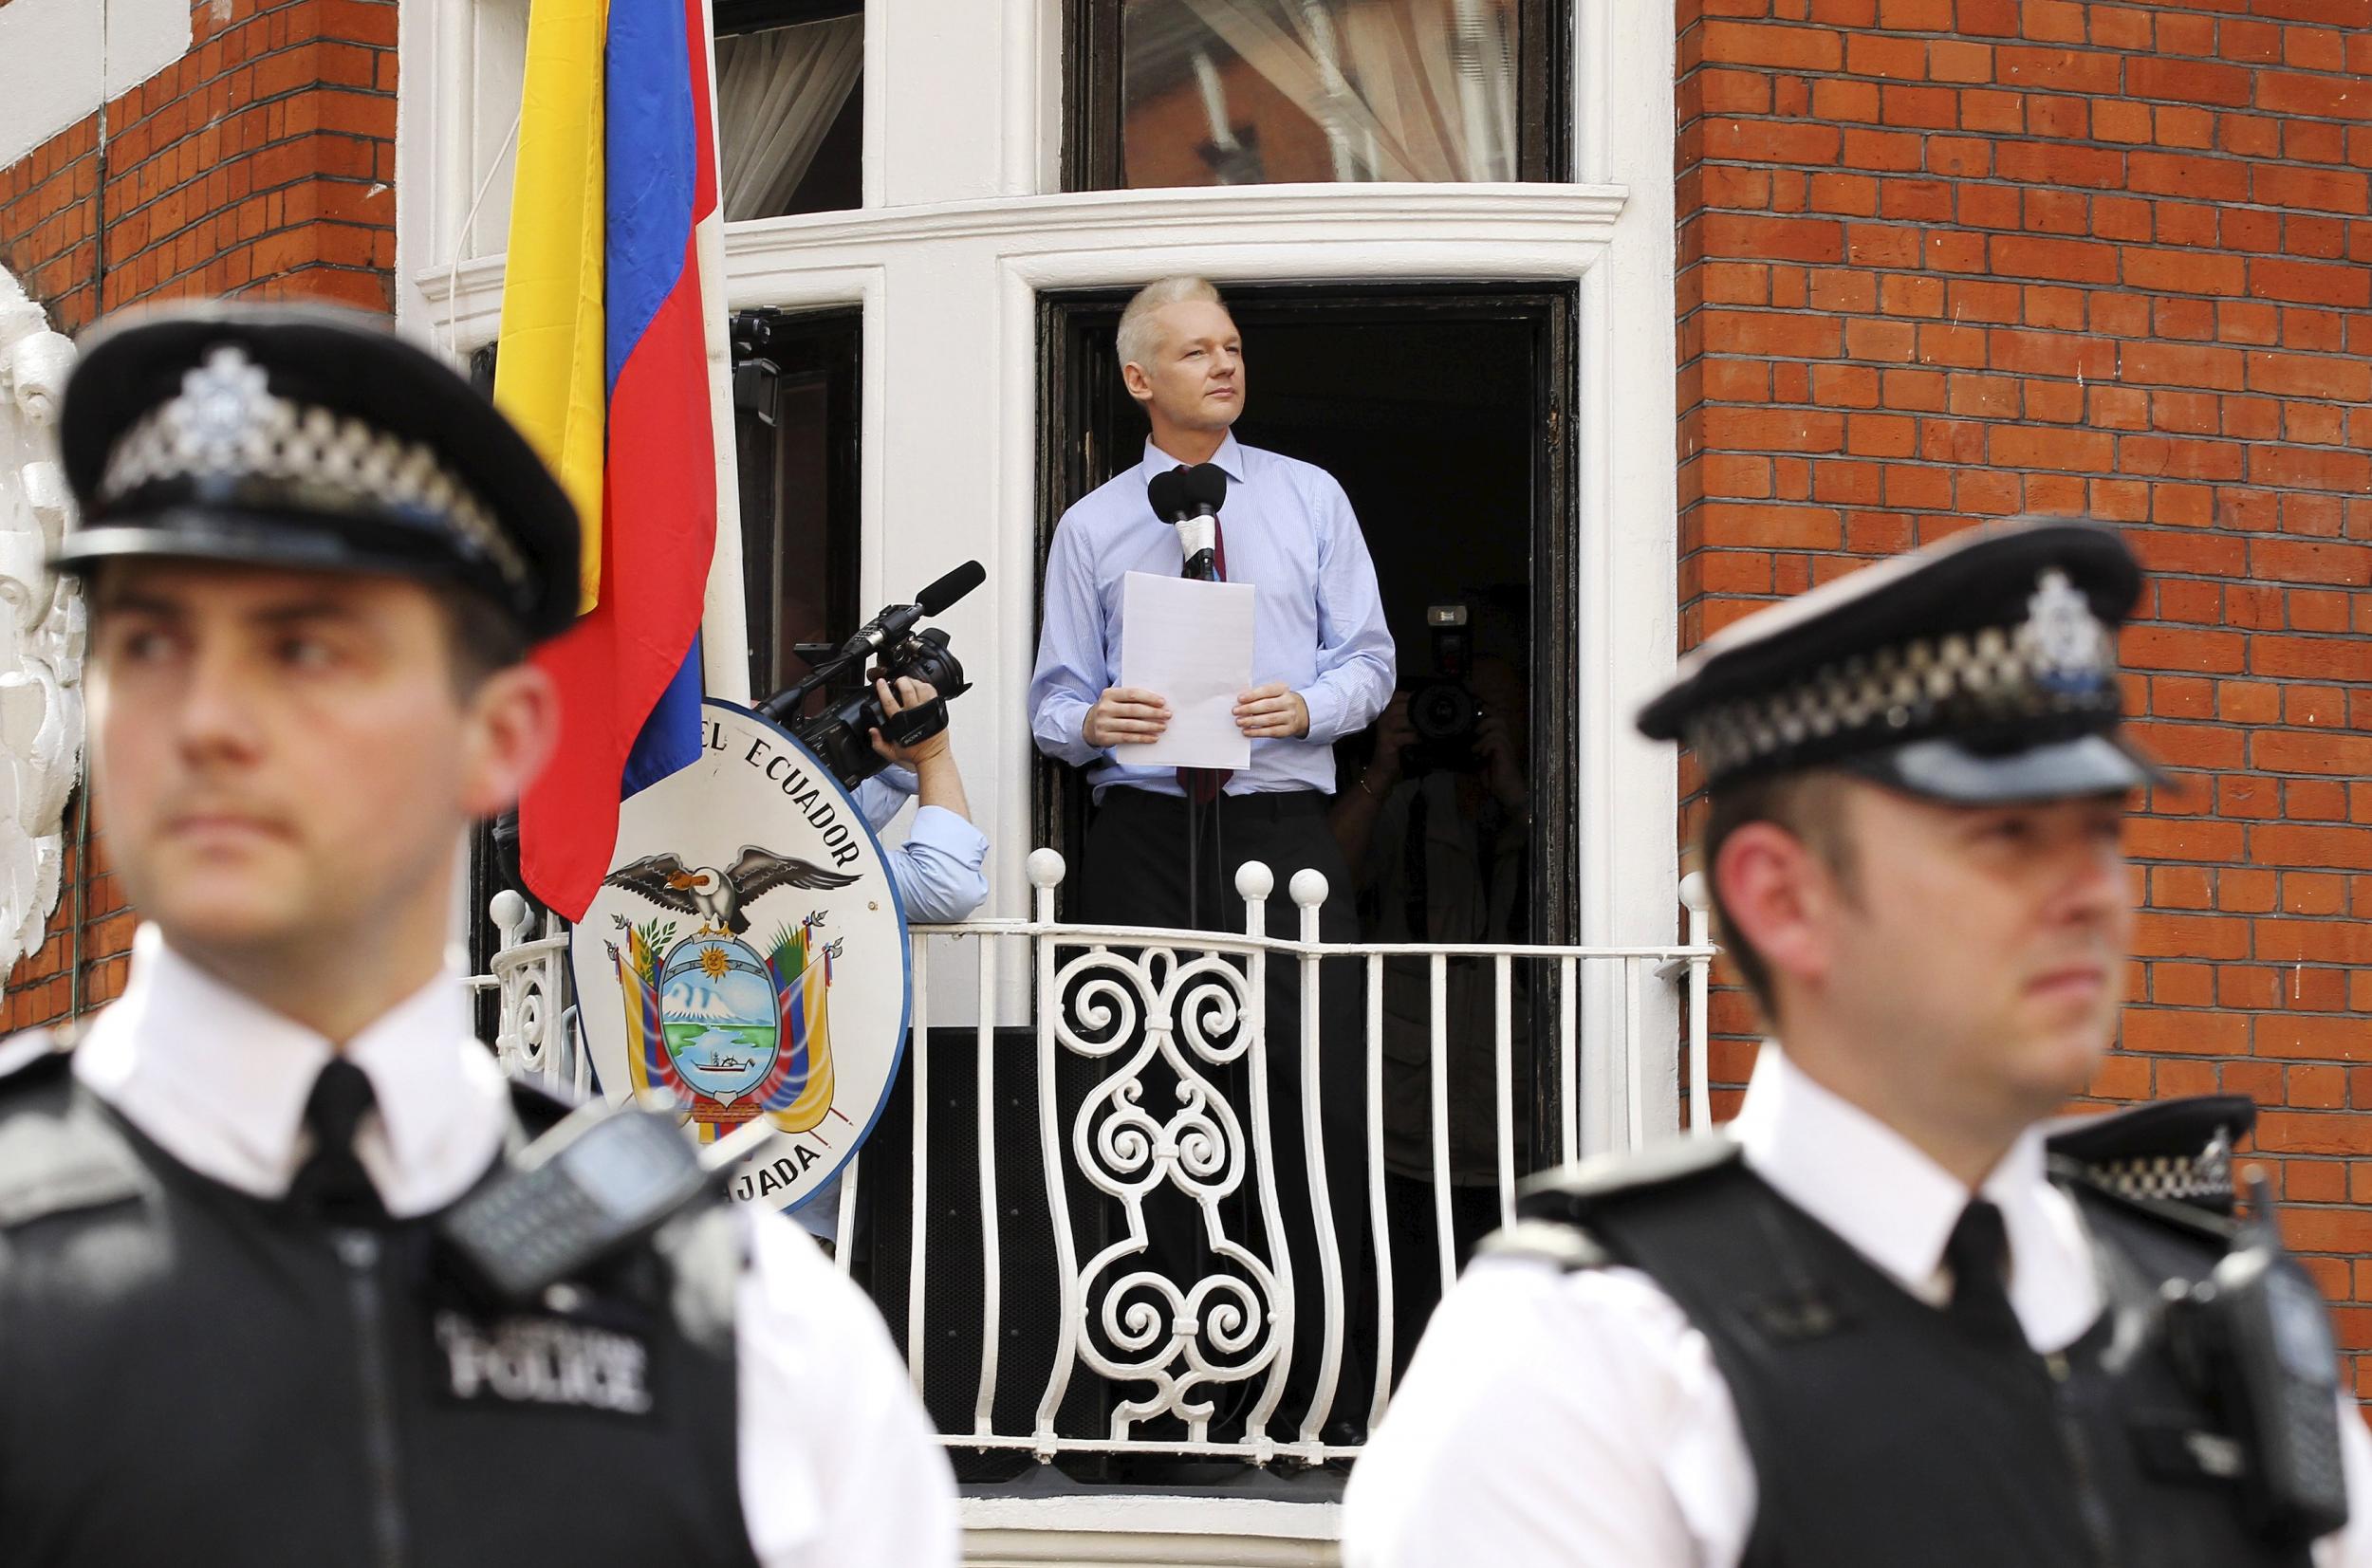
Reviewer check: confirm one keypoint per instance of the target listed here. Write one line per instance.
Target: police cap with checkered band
(308, 437)
(1980, 671)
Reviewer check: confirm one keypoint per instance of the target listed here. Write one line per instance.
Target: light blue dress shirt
(1317, 621)
(938, 868)
(938, 877)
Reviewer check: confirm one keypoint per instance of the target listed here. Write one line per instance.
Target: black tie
(331, 1184)
(1976, 1253)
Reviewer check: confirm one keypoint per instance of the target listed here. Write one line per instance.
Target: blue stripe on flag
(671, 737)
(648, 136)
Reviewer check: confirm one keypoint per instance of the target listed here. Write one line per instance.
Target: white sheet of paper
(1191, 643)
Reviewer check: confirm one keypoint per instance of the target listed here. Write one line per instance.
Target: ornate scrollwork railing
(1156, 1103)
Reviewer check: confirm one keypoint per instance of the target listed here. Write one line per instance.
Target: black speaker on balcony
(955, 1284)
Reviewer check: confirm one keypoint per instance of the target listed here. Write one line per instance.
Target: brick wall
(260, 163)
(1952, 259)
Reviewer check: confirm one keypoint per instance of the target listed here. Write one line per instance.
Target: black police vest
(191, 1374)
(1881, 1435)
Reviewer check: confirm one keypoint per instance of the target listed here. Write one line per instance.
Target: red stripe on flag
(612, 666)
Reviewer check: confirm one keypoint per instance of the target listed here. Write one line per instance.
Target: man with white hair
(1322, 669)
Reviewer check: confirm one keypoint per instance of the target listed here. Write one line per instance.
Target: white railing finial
(1254, 882)
(510, 912)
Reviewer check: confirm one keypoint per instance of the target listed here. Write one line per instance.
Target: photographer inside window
(1437, 832)
(937, 869)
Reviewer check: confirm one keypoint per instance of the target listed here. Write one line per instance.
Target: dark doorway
(1442, 411)
(796, 413)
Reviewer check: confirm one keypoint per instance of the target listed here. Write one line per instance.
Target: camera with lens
(1442, 707)
(841, 735)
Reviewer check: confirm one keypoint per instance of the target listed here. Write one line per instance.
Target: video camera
(842, 735)
(1442, 707)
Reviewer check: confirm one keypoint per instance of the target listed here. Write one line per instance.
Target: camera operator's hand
(1394, 735)
(908, 692)
(1272, 711)
(1502, 768)
(1125, 715)
(938, 781)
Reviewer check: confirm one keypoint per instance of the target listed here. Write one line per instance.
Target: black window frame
(1092, 107)
(1075, 330)
(770, 346)
(740, 16)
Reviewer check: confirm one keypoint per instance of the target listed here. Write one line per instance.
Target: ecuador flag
(603, 364)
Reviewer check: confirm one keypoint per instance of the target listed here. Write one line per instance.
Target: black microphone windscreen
(1205, 487)
(1168, 495)
(954, 585)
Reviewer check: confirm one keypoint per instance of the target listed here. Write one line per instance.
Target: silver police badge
(2065, 645)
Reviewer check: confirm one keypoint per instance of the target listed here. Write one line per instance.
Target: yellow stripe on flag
(550, 373)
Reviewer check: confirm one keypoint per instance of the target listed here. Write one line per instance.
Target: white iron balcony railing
(1094, 1253)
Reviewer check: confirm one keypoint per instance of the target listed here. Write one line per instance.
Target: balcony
(1069, 1213)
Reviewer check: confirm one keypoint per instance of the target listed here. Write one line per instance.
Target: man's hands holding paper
(1127, 715)
(1272, 712)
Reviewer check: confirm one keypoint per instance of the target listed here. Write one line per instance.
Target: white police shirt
(1580, 1420)
(838, 1464)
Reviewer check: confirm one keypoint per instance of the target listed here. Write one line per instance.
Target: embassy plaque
(746, 956)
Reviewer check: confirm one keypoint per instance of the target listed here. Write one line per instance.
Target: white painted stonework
(60, 60)
(42, 623)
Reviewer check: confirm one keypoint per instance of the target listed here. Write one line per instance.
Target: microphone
(954, 585)
(898, 620)
(1190, 498)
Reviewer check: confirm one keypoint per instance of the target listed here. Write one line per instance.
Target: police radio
(2257, 1334)
(599, 1181)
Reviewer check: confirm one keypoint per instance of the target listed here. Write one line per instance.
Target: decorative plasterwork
(42, 623)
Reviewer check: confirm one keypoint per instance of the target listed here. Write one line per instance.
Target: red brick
(1794, 48)
(2318, 97)
(1958, 59)
(2075, 261)
(2186, 272)
(2055, 163)
(2057, 69)
(2188, 1032)
(2306, 1133)
(2309, 282)
(2182, 174)
(1772, 239)
(2188, 81)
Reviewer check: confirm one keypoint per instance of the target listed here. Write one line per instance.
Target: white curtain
(777, 93)
(1405, 89)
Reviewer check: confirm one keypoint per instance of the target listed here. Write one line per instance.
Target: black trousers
(1139, 873)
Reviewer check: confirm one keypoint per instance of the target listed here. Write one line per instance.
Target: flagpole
(725, 614)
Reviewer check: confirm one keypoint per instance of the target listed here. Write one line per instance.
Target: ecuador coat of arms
(746, 956)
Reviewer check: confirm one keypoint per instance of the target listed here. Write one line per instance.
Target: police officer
(230, 1326)
(1877, 1321)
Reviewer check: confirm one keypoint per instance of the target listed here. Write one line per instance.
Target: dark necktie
(331, 1184)
(1977, 1254)
(1204, 783)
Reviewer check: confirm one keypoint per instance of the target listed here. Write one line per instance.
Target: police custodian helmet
(308, 437)
(1980, 671)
